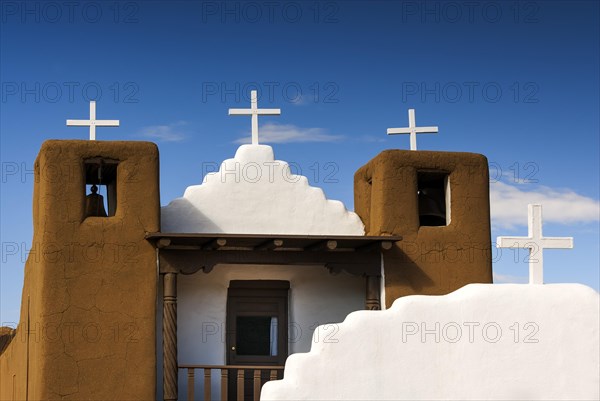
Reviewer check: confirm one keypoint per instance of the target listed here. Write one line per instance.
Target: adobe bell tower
(439, 203)
(88, 316)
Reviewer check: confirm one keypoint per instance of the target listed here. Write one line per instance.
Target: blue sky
(515, 81)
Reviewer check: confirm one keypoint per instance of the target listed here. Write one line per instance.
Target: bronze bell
(94, 204)
(432, 207)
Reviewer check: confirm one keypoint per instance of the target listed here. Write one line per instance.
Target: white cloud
(285, 133)
(508, 205)
(164, 133)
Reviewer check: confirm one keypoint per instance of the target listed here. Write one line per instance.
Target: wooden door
(257, 329)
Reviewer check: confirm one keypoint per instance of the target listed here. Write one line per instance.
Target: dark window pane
(256, 335)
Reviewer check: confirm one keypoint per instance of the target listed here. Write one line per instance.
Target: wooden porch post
(169, 332)
(373, 299)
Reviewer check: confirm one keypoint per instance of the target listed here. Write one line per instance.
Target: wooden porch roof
(188, 253)
(262, 242)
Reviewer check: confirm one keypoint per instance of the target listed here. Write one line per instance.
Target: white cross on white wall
(412, 129)
(254, 111)
(536, 243)
(92, 122)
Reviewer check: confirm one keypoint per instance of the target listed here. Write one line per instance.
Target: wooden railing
(225, 369)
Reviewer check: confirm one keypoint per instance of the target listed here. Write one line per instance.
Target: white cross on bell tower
(412, 129)
(92, 122)
(254, 111)
(536, 243)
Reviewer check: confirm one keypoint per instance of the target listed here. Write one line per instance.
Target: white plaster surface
(316, 298)
(501, 342)
(255, 194)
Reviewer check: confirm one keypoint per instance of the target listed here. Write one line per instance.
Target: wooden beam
(269, 245)
(191, 384)
(185, 248)
(163, 243)
(322, 245)
(376, 246)
(373, 295)
(169, 332)
(215, 244)
(189, 262)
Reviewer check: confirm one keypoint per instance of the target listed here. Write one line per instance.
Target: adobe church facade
(237, 272)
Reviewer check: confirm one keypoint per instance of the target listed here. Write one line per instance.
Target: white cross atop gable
(254, 111)
(536, 243)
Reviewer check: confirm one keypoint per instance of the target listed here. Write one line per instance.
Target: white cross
(412, 129)
(92, 122)
(254, 111)
(536, 243)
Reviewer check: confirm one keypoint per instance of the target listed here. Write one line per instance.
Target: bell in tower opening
(101, 176)
(432, 198)
(94, 204)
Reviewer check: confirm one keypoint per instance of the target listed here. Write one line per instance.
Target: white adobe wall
(482, 342)
(255, 194)
(316, 297)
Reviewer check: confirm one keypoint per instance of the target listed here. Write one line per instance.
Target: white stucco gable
(255, 194)
(481, 342)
